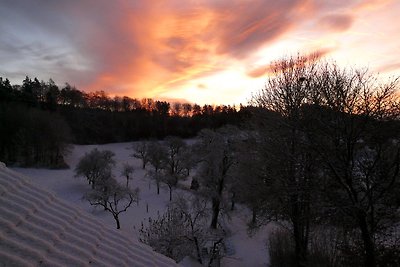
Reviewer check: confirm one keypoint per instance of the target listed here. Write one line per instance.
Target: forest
(38, 120)
(317, 151)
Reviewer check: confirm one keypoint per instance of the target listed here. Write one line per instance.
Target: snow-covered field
(247, 251)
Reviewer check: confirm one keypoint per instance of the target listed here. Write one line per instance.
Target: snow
(248, 251)
(38, 228)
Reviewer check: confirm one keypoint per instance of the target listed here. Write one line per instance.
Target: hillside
(248, 251)
(37, 228)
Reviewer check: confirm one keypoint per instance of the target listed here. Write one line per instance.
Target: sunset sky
(211, 51)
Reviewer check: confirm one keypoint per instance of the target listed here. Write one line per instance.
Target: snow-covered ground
(248, 251)
(38, 228)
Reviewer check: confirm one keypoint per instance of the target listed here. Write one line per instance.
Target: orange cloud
(165, 46)
(268, 69)
(373, 4)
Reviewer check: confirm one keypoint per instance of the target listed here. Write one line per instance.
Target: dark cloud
(336, 22)
(241, 28)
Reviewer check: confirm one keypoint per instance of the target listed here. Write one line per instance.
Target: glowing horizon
(214, 52)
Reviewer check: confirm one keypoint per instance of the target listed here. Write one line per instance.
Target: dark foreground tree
(356, 133)
(331, 150)
(216, 158)
(290, 171)
(249, 180)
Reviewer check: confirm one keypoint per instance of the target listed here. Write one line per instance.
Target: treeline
(36, 113)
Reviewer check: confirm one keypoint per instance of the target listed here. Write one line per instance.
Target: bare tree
(95, 166)
(188, 160)
(113, 197)
(249, 179)
(157, 158)
(331, 150)
(290, 171)
(355, 129)
(127, 171)
(141, 152)
(174, 168)
(195, 212)
(180, 231)
(216, 158)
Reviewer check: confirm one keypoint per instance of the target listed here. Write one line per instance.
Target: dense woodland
(38, 119)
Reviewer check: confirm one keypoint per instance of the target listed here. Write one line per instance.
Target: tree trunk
(117, 221)
(170, 193)
(254, 216)
(158, 187)
(233, 201)
(196, 242)
(300, 251)
(300, 232)
(369, 247)
(215, 212)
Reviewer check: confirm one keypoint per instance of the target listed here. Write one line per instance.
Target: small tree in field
(174, 168)
(95, 166)
(113, 197)
(127, 171)
(141, 151)
(157, 158)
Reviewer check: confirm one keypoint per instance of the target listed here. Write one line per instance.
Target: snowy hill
(37, 228)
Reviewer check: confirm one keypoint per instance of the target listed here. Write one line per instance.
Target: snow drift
(37, 228)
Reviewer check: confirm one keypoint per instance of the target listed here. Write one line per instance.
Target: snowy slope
(248, 251)
(37, 228)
